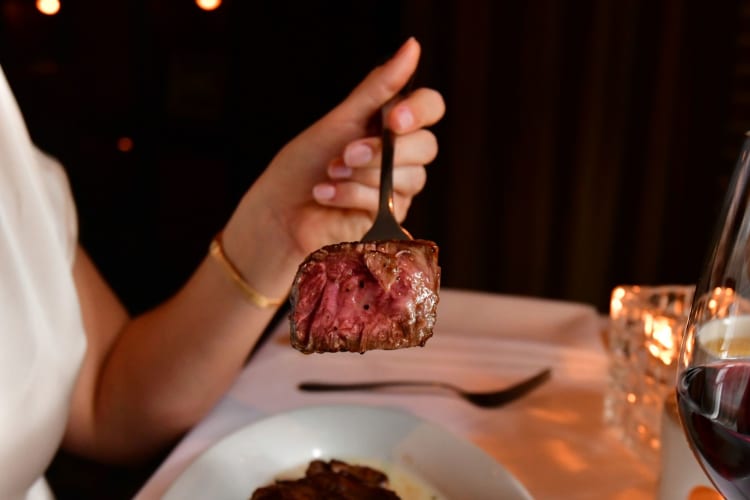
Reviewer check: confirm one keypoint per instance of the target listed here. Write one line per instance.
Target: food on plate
(362, 295)
(334, 479)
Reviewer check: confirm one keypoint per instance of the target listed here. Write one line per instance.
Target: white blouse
(42, 340)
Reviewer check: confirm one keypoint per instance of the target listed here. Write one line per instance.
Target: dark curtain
(586, 144)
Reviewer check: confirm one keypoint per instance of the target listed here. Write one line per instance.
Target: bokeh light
(48, 7)
(125, 144)
(208, 4)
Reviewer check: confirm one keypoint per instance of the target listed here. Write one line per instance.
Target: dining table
(554, 440)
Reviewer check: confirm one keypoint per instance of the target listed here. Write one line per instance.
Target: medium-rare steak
(365, 295)
(330, 480)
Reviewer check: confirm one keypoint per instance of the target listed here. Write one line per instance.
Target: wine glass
(713, 378)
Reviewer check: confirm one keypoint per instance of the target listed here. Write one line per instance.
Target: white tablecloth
(553, 440)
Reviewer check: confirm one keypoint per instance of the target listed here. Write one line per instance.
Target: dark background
(586, 144)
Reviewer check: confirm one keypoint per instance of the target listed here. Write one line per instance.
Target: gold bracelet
(216, 250)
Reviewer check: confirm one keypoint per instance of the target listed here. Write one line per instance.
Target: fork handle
(386, 167)
(355, 386)
(388, 138)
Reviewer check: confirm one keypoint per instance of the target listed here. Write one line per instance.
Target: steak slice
(334, 480)
(365, 295)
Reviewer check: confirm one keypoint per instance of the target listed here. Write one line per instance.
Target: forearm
(168, 367)
(147, 380)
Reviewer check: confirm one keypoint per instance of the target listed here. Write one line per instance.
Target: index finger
(421, 108)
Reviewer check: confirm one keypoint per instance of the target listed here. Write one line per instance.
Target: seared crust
(334, 479)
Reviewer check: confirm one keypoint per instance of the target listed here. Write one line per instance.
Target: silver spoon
(491, 399)
(386, 226)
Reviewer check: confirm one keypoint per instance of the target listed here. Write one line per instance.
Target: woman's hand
(322, 187)
(136, 391)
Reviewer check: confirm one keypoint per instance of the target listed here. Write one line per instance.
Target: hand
(319, 189)
(322, 187)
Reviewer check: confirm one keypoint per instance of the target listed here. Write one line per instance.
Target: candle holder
(643, 341)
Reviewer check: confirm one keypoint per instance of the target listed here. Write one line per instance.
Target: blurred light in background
(208, 4)
(125, 144)
(48, 7)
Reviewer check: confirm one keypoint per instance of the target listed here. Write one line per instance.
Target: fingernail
(339, 172)
(324, 192)
(402, 48)
(358, 154)
(404, 118)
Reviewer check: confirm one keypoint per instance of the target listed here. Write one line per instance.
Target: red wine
(714, 403)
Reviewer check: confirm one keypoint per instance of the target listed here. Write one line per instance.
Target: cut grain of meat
(365, 295)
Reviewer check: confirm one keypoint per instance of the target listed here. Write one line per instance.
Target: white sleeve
(61, 200)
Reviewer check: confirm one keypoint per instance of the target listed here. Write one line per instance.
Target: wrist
(217, 252)
(261, 254)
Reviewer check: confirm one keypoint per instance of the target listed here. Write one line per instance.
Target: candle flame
(615, 305)
(722, 298)
(659, 330)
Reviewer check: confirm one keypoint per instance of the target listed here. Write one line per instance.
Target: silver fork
(490, 399)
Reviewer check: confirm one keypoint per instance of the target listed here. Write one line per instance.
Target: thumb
(381, 84)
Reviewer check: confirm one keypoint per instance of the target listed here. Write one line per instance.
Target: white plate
(254, 455)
